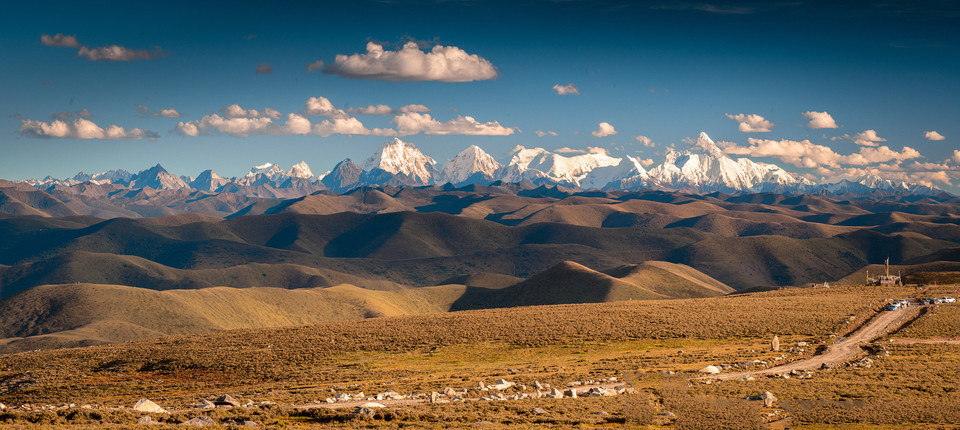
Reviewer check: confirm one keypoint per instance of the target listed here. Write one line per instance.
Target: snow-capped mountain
(300, 170)
(870, 183)
(536, 163)
(399, 157)
(705, 168)
(157, 178)
(472, 165)
(628, 174)
(118, 176)
(209, 181)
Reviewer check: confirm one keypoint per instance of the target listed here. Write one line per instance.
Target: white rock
(144, 405)
(710, 369)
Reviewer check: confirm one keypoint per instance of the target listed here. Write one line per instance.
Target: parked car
(893, 307)
(949, 300)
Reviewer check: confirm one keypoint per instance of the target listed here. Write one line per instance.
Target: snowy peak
(209, 181)
(534, 163)
(157, 178)
(705, 168)
(300, 170)
(472, 162)
(399, 157)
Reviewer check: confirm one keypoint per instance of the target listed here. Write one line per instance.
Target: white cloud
(414, 108)
(646, 162)
(80, 128)
(316, 65)
(60, 40)
(541, 133)
(933, 135)
(752, 123)
(566, 89)
(118, 53)
(810, 155)
(168, 113)
(63, 116)
(373, 110)
(235, 111)
(863, 138)
(819, 120)
(645, 141)
(295, 124)
(412, 123)
(603, 130)
(956, 156)
(264, 68)
(568, 150)
(442, 63)
(321, 106)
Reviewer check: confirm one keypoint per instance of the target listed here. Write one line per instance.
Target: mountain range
(701, 169)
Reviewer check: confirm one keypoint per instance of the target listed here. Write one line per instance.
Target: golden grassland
(632, 341)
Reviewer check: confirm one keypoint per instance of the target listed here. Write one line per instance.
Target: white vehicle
(949, 300)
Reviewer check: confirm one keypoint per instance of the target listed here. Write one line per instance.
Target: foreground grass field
(654, 347)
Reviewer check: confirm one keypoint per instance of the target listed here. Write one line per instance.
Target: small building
(886, 279)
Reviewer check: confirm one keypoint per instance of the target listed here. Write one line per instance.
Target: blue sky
(662, 70)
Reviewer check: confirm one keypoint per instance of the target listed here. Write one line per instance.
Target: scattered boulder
(501, 384)
(710, 369)
(201, 421)
(768, 399)
(205, 404)
(449, 392)
(572, 393)
(434, 396)
(538, 411)
(372, 405)
(775, 344)
(538, 385)
(362, 411)
(249, 423)
(601, 413)
(554, 394)
(144, 405)
(226, 400)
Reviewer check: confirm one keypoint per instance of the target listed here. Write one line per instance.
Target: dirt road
(840, 351)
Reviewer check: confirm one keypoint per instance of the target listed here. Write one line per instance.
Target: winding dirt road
(885, 322)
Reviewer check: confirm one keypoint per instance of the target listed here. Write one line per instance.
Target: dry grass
(939, 321)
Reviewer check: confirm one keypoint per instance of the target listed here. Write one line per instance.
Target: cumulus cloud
(79, 128)
(541, 133)
(321, 106)
(118, 53)
(645, 141)
(314, 66)
(568, 150)
(646, 162)
(752, 123)
(810, 155)
(819, 120)
(235, 111)
(60, 40)
(863, 138)
(295, 124)
(603, 130)
(414, 108)
(373, 110)
(264, 68)
(412, 123)
(441, 63)
(63, 116)
(933, 135)
(566, 89)
(168, 113)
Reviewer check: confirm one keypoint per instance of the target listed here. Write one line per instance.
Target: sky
(823, 89)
